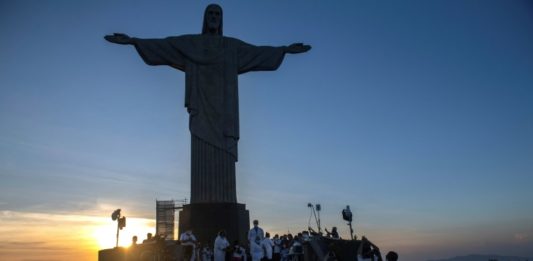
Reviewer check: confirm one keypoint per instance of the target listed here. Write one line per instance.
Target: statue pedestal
(207, 219)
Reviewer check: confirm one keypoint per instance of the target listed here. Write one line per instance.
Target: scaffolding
(165, 217)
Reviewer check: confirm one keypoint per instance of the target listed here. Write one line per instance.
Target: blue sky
(418, 114)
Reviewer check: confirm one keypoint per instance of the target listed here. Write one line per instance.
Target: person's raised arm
(119, 38)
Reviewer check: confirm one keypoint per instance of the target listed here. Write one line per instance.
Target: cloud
(33, 245)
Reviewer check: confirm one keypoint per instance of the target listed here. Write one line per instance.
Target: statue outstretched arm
(152, 51)
(119, 38)
(297, 48)
(265, 58)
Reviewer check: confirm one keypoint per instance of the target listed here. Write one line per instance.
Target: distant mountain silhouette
(485, 258)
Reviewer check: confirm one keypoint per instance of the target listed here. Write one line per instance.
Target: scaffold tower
(165, 217)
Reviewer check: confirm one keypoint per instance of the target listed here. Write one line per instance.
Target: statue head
(212, 20)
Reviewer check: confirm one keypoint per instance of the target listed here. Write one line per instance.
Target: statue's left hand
(297, 48)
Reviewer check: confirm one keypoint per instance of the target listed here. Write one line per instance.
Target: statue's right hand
(119, 38)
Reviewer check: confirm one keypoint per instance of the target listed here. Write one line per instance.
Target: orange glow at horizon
(25, 235)
(105, 234)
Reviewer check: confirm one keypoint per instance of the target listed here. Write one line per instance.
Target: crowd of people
(261, 247)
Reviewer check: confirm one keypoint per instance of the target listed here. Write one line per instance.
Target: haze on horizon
(417, 114)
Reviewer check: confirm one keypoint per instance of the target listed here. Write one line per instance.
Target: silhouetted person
(368, 251)
(133, 251)
(148, 239)
(391, 256)
(333, 234)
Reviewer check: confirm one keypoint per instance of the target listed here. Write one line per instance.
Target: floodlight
(115, 215)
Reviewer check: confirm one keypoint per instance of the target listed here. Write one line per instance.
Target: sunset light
(63, 235)
(105, 234)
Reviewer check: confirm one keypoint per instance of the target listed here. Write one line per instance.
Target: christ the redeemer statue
(212, 64)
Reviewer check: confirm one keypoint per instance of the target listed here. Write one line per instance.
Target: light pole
(347, 216)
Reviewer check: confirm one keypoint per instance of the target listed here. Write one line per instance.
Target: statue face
(213, 17)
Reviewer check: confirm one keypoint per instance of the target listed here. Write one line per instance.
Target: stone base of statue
(207, 219)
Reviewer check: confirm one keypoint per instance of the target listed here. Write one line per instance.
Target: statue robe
(211, 65)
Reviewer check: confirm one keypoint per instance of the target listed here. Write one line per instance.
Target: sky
(417, 114)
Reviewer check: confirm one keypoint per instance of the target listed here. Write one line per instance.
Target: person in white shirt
(256, 231)
(256, 251)
(267, 245)
(221, 245)
(188, 240)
